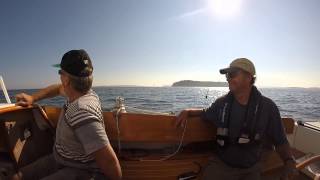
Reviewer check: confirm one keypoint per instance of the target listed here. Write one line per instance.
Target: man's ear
(67, 81)
(248, 78)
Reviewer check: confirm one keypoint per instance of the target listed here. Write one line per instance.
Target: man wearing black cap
(82, 149)
(246, 123)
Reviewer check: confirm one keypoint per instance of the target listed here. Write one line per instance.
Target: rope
(147, 111)
(154, 113)
(118, 130)
(175, 152)
(295, 135)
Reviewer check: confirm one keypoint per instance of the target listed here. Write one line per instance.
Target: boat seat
(20, 136)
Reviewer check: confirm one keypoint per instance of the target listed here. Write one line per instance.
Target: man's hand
(289, 171)
(48, 92)
(182, 118)
(24, 99)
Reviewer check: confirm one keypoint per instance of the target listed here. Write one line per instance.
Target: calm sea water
(298, 103)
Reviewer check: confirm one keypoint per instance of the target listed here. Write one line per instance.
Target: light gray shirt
(80, 132)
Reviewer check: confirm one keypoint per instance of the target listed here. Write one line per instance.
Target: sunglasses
(232, 74)
(60, 72)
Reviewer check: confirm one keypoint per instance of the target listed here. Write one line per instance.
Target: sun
(224, 8)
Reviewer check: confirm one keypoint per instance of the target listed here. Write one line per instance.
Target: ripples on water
(299, 103)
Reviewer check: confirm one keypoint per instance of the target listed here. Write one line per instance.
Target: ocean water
(299, 103)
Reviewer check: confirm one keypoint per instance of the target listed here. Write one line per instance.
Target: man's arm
(277, 132)
(208, 114)
(108, 162)
(48, 92)
(92, 135)
(285, 153)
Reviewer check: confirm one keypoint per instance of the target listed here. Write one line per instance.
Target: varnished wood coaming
(149, 128)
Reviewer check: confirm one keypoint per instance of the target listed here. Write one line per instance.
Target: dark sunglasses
(60, 72)
(232, 74)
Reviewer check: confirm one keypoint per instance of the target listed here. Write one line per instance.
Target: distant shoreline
(190, 83)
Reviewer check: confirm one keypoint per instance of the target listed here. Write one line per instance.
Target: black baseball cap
(76, 63)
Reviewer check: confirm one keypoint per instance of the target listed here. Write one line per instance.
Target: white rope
(295, 134)
(176, 151)
(146, 111)
(161, 159)
(154, 113)
(118, 130)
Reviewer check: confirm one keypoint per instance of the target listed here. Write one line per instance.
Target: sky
(158, 42)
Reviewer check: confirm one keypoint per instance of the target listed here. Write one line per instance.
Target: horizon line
(159, 86)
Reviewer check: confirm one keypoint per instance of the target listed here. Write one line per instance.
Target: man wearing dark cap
(82, 149)
(246, 123)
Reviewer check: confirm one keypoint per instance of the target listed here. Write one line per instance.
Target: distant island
(190, 83)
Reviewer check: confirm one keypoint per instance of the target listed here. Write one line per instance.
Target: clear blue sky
(154, 43)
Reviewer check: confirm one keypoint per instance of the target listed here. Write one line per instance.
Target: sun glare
(224, 8)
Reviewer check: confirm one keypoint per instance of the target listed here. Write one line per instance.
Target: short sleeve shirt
(80, 132)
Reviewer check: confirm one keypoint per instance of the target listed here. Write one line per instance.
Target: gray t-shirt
(80, 132)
